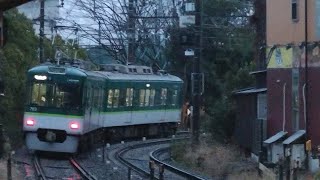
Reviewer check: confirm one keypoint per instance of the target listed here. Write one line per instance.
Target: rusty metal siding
(314, 104)
(276, 78)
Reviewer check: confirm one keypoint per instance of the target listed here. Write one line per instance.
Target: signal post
(196, 75)
(193, 40)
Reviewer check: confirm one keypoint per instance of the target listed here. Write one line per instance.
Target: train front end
(53, 118)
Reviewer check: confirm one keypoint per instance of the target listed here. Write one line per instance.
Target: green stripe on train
(53, 115)
(151, 110)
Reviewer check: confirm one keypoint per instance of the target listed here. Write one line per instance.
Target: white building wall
(276, 152)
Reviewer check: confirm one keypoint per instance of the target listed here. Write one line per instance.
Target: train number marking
(33, 109)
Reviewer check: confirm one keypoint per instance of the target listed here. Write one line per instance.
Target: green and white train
(69, 107)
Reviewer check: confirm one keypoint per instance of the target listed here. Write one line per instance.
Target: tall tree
(227, 54)
(19, 54)
(108, 24)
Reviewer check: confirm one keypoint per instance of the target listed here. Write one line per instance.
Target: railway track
(83, 172)
(156, 148)
(120, 156)
(73, 165)
(39, 171)
(154, 156)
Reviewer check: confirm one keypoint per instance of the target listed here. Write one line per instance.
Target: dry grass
(244, 176)
(215, 160)
(211, 159)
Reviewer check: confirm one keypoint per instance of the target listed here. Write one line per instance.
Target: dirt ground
(16, 174)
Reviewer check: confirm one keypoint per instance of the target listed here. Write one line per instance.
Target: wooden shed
(251, 115)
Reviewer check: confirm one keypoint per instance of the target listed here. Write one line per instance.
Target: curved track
(154, 149)
(154, 156)
(83, 172)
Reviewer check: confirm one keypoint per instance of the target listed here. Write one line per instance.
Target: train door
(163, 98)
(129, 105)
(88, 107)
(100, 107)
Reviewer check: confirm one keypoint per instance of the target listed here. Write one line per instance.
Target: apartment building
(293, 68)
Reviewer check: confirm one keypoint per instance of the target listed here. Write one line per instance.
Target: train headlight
(30, 122)
(40, 77)
(74, 125)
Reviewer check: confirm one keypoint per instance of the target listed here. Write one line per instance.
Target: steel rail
(121, 152)
(84, 173)
(153, 156)
(39, 171)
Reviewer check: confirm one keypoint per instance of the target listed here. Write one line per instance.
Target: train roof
(51, 69)
(117, 76)
(108, 75)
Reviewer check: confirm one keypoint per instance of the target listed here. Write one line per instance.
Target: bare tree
(113, 23)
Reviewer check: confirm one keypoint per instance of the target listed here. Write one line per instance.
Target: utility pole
(131, 32)
(41, 18)
(197, 75)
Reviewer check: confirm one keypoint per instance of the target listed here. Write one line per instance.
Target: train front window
(55, 95)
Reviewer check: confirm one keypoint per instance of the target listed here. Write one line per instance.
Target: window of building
(294, 10)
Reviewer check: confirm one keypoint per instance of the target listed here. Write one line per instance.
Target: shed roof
(257, 72)
(251, 91)
(275, 137)
(294, 137)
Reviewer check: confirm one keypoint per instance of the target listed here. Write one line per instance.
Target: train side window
(158, 97)
(152, 95)
(88, 96)
(96, 98)
(129, 96)
(141, 97)
(115, 100)
(110, 97)
(39, 94)
(147, 98)
(164, 92)
(122, 98)
(100, 97)
(174, 97)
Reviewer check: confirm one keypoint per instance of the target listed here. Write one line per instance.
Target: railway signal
(197, 83)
